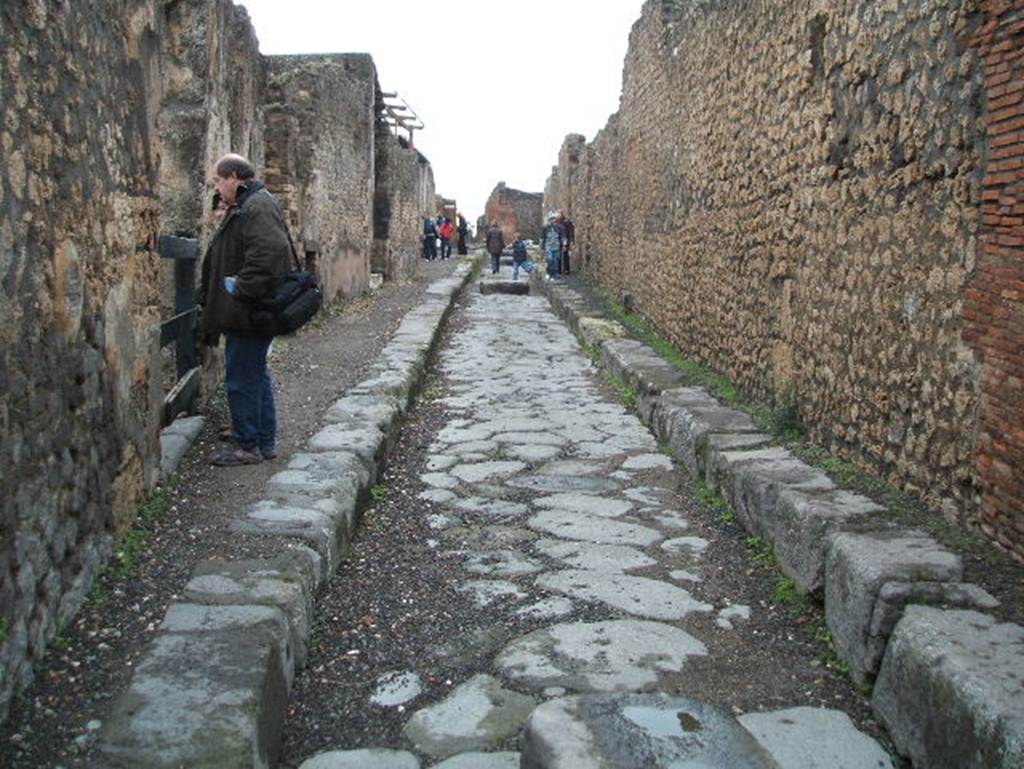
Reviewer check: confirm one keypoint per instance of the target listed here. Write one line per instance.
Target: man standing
(570, 238)
(463, 230)
(429, 239)
(248, 254)
(552, 240)
(495, 245)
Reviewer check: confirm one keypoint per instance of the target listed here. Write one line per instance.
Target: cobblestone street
(530, 542)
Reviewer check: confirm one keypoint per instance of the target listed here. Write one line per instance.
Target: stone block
(804, 738)
(599, 731)
(210, 693)
(366, 442)
(287, 582)
(319, 530)
(380, 411)
(175, 440)
(596, 331)
(950, 690)
(872, 576)
(640, 367)
(512, 287)
(688, 429)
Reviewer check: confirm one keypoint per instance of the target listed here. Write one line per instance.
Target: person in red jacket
(447, 232)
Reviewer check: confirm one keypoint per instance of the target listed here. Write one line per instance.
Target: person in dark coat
(552, 243)
(429, 239)
(495, 245)
(463, 231)
(248, 255)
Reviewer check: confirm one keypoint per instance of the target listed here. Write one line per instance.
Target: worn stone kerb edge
(875, 570)
(213, 687)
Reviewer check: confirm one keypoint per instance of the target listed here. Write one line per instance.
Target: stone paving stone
(553, 482)
(638, 731)
(505, 760)
(482, 471)
(396, 688)
(366, 441)
(476, 715)
(648, 462)
(615, 655)
(555, 607)
(440, 480)
(533, 453)
(805, 738)
(438, 496)
(588, 528)
(487, 591)
(727, 615)
(606, 558)
(639, 596)
(950, 690)
(586, 504)
(692, 546)
(495, 508)
(367, 758)
(381, 412)
(501, 563)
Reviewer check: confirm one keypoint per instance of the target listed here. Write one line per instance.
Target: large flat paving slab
(815, 738)
(615, 655)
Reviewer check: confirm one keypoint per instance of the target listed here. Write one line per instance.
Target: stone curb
(175, 440)
(212, 689)
(830, 542)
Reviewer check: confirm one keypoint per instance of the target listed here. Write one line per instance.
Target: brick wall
(994, 306)
(793, 197)
(514, 211)
(79, 306)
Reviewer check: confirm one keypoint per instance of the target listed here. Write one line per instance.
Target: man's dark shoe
(232, 456)
(270, 453)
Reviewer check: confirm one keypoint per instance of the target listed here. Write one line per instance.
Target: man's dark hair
(235, 166)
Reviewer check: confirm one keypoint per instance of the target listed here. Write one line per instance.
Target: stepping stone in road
(638, 731)
(804, 738)
(475, 716)
(616, 655)
(588, 484)
(639, 596)
(648, 462)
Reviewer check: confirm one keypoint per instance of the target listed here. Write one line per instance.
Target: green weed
(760, 551)
(377, 492)
(715, 502)
(5, 630)
(626, 393)
(786, 592)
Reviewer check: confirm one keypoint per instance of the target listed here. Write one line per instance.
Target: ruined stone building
(113, 114)
(825, 202)
(514, 211)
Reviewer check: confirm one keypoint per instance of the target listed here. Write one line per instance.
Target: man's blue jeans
(527, 267)
(554, 256)
(249, 390)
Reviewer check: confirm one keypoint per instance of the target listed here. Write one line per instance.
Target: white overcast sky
(498, 83)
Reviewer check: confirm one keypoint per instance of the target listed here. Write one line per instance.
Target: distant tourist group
(438, 234)
(556, 240)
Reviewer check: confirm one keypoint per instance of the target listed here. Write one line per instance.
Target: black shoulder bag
(295, 300)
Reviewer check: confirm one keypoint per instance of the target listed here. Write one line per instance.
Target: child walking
(519, 258)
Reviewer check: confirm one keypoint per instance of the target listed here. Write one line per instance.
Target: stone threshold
(948, 679)
(212, 689)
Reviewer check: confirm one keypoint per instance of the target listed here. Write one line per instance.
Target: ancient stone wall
(994, 304)
(791, 191)
(320, 116)
(403, 195)
(79, 305)
(514, 211)
(559, 191)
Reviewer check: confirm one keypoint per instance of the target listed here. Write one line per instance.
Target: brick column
(994, 303)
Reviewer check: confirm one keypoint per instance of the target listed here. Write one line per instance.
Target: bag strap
(291, 244)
